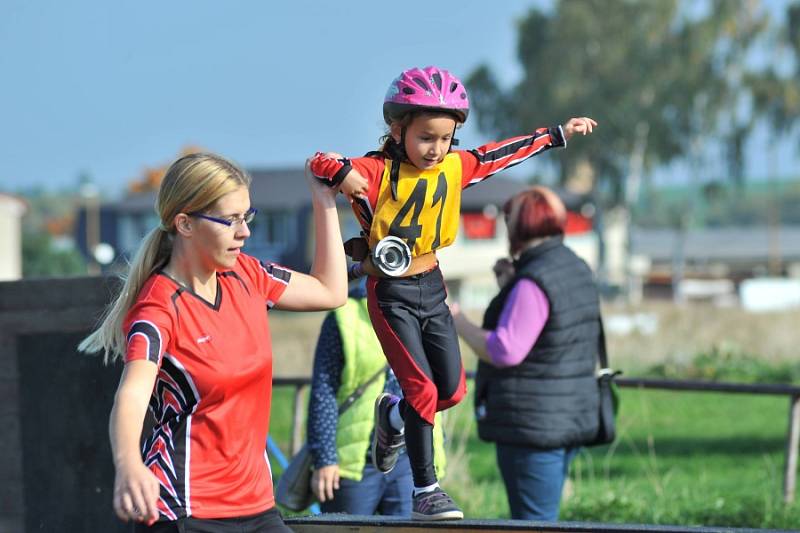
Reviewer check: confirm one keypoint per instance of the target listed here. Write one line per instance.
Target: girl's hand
(324, 481)
(136, 492)
(354, 185)
(582, 125)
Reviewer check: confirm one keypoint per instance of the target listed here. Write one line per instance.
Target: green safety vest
(363, 357)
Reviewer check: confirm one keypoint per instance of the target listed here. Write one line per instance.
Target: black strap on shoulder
(350, 400)
(602, 354)
(394, 177)
(394, 171)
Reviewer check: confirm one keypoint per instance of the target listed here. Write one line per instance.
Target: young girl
(411, 190)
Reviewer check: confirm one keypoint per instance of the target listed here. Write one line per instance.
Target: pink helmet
(425, 88)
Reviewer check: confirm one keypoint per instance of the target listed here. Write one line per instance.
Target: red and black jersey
(211, 399)
(476, 165)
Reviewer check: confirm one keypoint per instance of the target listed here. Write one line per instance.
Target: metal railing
(791, 391)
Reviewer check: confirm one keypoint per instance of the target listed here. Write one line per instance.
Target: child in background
(411, 190)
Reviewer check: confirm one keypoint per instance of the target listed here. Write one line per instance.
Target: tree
(776, 90)
(151, 177)
(41, 259)
(658, 76)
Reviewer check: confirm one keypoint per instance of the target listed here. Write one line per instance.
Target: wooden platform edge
(380, 524)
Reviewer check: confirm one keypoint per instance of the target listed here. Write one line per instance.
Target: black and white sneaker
(435, 505)
(386, 441)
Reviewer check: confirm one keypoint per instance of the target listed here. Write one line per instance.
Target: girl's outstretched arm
(487, 160)
(491, 158)
(579, 125)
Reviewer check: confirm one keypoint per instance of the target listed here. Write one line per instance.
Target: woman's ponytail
(109, 338)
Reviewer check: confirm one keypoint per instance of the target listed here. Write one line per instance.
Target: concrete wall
(55, 460)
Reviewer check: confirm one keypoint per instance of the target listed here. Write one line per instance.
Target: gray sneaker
(386, 441)
(435, 505)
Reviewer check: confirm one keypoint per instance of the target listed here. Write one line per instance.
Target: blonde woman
(192, 325)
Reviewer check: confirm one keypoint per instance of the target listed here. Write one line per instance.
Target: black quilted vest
(549, 400)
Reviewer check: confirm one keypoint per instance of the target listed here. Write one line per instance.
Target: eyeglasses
(232, 220)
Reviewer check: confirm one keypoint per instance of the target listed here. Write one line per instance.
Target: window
(273, 229)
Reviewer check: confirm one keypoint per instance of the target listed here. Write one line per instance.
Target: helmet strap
(453, 140)
(394, 177)
(397, 153)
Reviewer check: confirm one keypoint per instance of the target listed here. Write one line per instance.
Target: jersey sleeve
(491, 158)
(148, 329)
(269, 279)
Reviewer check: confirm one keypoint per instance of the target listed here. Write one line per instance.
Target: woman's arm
(326, 286)
(474, 336)
(524, 315)
(323, 418)
(136, 488)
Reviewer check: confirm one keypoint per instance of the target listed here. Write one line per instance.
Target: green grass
(681, 458)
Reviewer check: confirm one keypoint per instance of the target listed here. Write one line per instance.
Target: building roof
(274, 188)
(287, 189)
(13, 203)
(728, 244)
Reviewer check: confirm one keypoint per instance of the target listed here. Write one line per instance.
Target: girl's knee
(424, 402)
(449, 399)
(447, 403)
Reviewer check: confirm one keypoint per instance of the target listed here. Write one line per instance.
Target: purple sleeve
(522, 320)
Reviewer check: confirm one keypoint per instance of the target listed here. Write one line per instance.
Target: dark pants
(534, 479)
(416, 331)
(385, 494)
(267, 522)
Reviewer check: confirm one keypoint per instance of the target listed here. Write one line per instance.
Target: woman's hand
(324, 481)
(319, 190)
(582, 125)
(136, 492)
(503, 271)
(473, 335)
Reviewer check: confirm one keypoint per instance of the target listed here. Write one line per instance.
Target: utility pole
(91, 206)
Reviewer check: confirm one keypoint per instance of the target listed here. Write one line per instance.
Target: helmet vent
(421, 83)
(408, 90)
(453, 87)
(437, 79)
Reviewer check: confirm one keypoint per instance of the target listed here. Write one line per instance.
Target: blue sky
(109, 88)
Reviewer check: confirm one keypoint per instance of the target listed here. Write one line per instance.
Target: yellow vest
(426, 212)
(363, 356)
